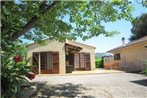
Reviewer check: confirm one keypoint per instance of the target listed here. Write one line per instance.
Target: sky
(103, 44)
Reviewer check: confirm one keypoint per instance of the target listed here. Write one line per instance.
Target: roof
(108, 55)
(141, 40)
(69, 42)
(35, 43)
(78, 44)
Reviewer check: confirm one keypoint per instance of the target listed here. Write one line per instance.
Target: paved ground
(96, 71)
(112, 85)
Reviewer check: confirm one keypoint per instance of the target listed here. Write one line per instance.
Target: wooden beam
(39, 64)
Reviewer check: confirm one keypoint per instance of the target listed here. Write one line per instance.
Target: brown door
(35, 61)
(55, 62)
(49, 62)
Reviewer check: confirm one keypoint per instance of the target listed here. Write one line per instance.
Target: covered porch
(75, 59)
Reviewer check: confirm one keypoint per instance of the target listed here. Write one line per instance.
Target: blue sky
(103, 44)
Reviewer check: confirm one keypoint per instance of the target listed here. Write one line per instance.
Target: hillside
(99, 55)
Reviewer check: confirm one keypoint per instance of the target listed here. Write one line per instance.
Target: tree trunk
(34, 20)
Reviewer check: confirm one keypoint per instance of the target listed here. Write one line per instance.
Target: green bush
(13, 70)
(99, 63)
(145, 70)
(12, 76)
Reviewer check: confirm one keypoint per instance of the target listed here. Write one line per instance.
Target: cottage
(128, 57)
(60, 58)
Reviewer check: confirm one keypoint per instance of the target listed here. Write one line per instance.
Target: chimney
(123, 41)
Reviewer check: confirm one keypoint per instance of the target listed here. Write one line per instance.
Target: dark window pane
(117, 56)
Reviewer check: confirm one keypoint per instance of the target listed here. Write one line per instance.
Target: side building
(129, 57)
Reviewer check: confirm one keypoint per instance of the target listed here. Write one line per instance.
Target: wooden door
(49, 62)
(35, 61)
(55, 62)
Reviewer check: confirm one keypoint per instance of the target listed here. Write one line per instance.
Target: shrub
(145, 70)
(99, 63)
(13, 69)
(12, 76)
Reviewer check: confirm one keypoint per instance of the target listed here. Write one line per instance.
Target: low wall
(125, 66)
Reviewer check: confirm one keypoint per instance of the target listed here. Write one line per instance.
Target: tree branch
(34, 20)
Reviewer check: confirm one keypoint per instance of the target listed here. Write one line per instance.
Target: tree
(139, 28)
(47, 18)
(142, 2)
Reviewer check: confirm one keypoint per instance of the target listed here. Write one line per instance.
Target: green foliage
(81, 18)
(143, 2)
(139, 28)
(99, 63)
(145, 70)
(12, 73)
(12, 76)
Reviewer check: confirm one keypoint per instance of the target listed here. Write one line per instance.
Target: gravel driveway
(114, 85)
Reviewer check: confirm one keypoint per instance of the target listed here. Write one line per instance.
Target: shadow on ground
(67, 90)
(141, 82)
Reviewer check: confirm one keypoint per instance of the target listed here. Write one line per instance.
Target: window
(105, 59)
(46, 60)
(82, 61)
(49, 60)
(117, 56)
(76, 60)
(43, 60)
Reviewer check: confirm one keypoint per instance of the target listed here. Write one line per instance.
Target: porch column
(39, 63)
